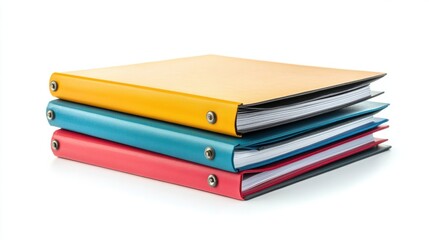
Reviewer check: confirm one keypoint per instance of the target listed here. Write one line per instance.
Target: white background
(43, 197)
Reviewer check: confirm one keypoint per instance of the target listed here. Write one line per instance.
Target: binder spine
(125, 129)
(107, 154)
(179, 108)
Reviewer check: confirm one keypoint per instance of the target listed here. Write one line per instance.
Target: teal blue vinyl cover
(189, 143)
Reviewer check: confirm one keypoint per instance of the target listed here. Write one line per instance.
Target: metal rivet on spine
(209, 153)
(211, 117)
(55, 145)
(53, 85)
(50, 115)
(212, 180)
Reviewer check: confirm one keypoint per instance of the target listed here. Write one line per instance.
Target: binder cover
(189, 143)
(95, 151)
(204, 92)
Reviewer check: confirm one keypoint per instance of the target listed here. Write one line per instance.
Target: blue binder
(189, 143)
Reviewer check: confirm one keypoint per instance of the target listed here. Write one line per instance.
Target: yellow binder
(205, 92)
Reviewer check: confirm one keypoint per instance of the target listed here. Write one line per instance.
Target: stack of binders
(234, 127)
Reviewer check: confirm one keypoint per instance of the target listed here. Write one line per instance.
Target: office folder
(227, 153)
(220, 94)
(242, 185)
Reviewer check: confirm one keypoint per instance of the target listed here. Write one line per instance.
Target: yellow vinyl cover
(183, 90)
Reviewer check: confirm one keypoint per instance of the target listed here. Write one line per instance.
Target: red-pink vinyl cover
(103, 153)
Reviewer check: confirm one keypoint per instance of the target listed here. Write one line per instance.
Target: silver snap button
(212, 180)
(55, 144)
(53, 85)
(50, 115)
(209, 153)
(211, 117)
